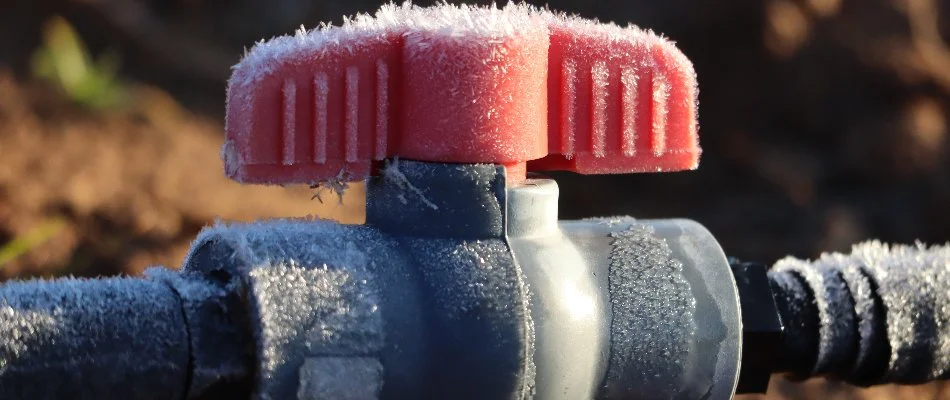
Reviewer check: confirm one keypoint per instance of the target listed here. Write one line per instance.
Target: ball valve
(444, 110)
(462, 283)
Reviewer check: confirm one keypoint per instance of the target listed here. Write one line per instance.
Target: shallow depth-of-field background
(823, 122)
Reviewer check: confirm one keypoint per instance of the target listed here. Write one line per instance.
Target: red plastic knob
(460, 84)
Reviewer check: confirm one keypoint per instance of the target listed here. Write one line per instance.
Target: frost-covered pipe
(880, 314)
(161, 337)
(110, 336)
(458, 286)
(461, 285)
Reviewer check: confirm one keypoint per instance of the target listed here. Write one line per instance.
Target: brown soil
(133, 187)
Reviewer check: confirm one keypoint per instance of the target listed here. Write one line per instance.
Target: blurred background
(823, 123)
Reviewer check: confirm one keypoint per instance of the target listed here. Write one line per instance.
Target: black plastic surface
(762, 328)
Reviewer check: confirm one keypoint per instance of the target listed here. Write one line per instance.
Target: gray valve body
(456, 287)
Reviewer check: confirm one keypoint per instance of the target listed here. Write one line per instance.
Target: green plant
(64, 60)
(27, 242)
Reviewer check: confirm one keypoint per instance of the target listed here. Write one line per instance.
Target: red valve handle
(460, 84)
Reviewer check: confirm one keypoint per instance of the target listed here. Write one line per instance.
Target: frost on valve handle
(462, 283)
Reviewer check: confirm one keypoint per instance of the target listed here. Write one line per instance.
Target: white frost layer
(450, 21)
(913, 283)
(462, 22)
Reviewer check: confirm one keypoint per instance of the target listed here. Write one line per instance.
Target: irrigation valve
(462, 283)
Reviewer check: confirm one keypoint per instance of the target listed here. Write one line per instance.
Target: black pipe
(166, 336)
(116, 338)
(878, 315)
